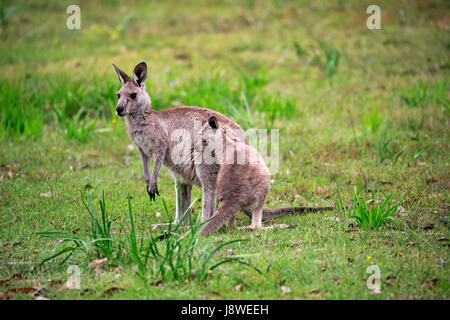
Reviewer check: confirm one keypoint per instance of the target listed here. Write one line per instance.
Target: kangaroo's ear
(140, 73)
(213, 122)
(123, 77)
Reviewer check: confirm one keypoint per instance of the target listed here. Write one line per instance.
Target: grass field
(353, 106)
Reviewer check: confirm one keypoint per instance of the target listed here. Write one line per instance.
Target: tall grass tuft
(99, 241)
(332, 57)
(384, 146)
(20, 114)
(416, 95)
(371, 214)
(373, 121)
(422, 94)
(76, 127)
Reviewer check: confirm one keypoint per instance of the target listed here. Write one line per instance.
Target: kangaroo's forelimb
(158, 161)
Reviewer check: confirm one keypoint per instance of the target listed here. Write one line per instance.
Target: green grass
(173, 255)
(371, 214)
(351, 105)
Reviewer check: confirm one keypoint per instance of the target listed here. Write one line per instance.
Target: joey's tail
(269, 213)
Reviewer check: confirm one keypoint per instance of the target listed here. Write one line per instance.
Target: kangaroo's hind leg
(185, 201)
(222, 215)
(232, 223)
(257, 219)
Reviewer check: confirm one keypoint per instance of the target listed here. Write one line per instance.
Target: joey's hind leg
(232, 223)
(222, 215)
(257, 219)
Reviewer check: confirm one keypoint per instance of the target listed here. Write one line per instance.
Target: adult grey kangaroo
(160, 134)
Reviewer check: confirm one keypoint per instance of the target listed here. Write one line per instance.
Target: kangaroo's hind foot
(223, 214)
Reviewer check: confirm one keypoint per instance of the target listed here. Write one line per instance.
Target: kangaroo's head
(206, 137)
(132, 97)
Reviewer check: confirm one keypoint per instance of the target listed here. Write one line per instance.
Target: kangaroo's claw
(153, 192)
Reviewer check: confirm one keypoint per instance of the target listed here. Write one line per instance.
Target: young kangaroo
(167, 136)
(243, 180)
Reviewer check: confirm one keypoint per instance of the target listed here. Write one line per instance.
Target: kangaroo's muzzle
(119, 111)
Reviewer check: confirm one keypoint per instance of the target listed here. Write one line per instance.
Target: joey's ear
(123, 77)
(140, 73)
(213, 122)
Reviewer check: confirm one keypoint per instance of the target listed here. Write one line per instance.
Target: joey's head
(132, 97)
(206, 138)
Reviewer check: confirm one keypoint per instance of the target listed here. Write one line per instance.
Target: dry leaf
(432, 180)
(55, 283)
(11, 292)
(15, 276)
(324, 261)
(387, 242)
(400, 211)
(317, 293)
(285, 289)
(111, 291)
(428, 226)
(158, 283)
(430, 283)
(46, 195)
(390, 279)
(98, 262)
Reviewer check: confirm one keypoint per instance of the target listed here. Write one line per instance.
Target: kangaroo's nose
(119, 111)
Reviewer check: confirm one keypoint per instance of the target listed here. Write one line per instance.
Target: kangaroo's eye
(118, 96)
(133, 96)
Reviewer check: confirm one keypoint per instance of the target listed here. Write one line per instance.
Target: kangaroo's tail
(269, 213)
